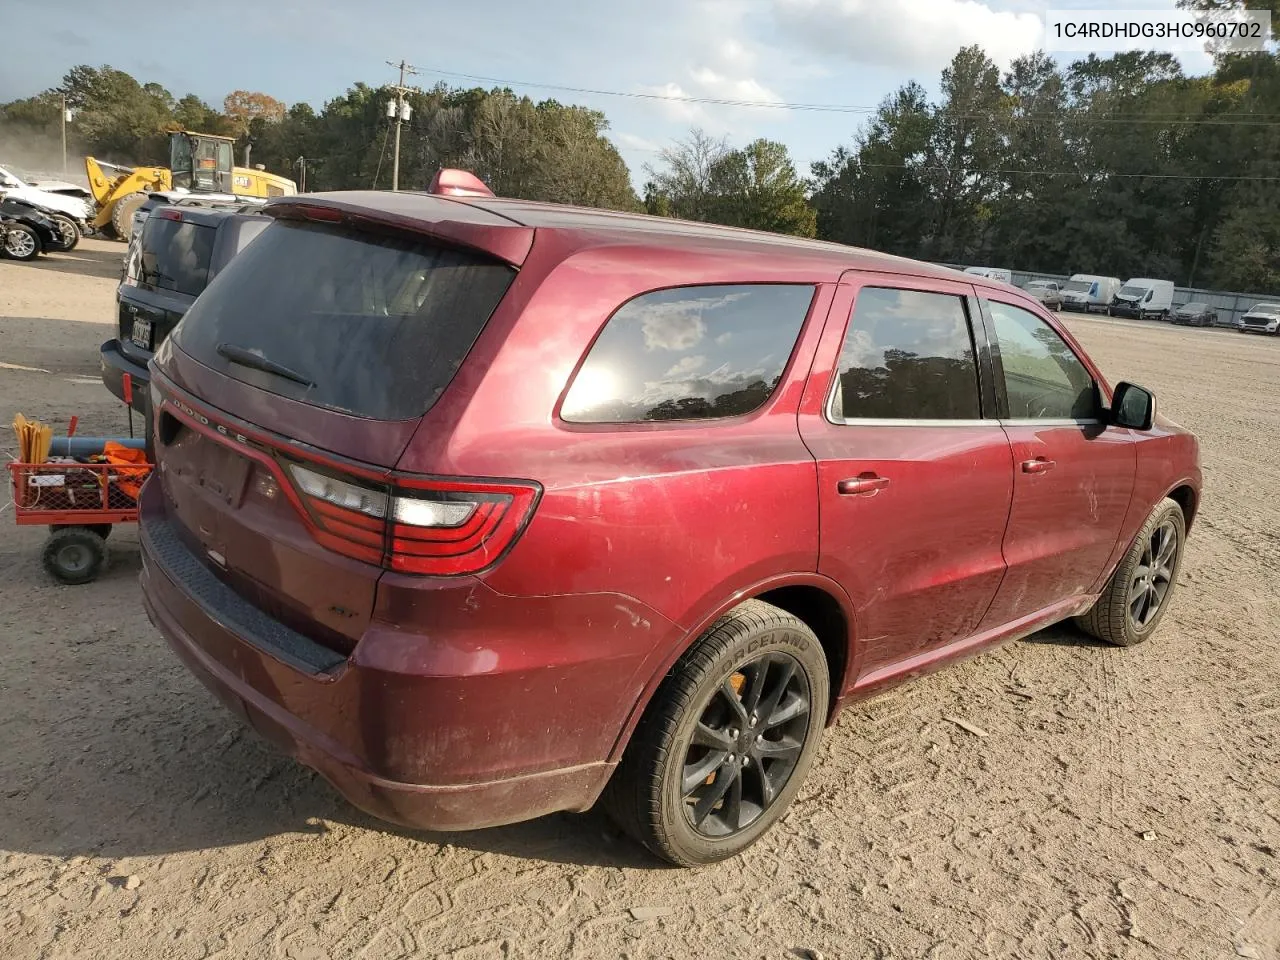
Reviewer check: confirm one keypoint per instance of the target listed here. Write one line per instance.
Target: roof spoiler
(458, 183)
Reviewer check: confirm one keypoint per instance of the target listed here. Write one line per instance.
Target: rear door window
(175, 255)
(689, 353)
(908, 355)
(363, 323)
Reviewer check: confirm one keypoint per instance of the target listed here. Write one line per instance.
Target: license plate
(141, 334)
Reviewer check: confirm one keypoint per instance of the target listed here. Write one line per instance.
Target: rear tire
(74, 555)
(122, 214)
(1147, 574)
(724, 746)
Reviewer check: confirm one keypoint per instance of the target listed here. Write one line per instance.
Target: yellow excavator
(199, 163)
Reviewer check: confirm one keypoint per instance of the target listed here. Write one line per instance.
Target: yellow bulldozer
(199, 163)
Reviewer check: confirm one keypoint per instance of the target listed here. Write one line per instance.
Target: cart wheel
(101, 529)
(75, 554)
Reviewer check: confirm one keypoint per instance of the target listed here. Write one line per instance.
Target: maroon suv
(487, 509)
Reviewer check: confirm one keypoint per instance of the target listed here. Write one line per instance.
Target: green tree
(964, 155)
(757, 187)
(119, 118)
(681, 186)
(875, 194)
(702, 178)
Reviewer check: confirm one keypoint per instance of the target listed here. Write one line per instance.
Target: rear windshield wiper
(247, 358)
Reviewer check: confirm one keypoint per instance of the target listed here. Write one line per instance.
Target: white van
(993, 273)
(1088, 293)
(1143, 297)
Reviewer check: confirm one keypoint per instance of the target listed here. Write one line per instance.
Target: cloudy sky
(783, 52)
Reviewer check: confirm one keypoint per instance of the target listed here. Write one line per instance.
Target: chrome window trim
(1050, 422)
(967, 305)
(888, 422)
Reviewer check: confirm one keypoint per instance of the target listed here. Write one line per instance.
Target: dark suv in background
(181, 251)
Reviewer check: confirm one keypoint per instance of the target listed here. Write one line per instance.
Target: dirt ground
(1125, 803)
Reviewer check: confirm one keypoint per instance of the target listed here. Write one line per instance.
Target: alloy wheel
(744, 749)
(1153, 576)
(19, 244)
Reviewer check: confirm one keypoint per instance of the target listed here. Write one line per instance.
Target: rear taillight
(350, 518)
(416, 525)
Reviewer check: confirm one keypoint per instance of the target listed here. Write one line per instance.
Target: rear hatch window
(175, 255)
(367, 324)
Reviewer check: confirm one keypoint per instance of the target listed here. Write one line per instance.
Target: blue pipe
(90, 446)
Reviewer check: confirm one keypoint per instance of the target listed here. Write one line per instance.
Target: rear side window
(235, 234)
(367, 324)
(175, 255)
(689, 353)
(908, 355)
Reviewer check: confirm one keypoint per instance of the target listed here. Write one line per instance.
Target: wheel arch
(816, 600)
(1186, 497)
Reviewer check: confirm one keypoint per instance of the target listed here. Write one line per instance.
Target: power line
(1164, 120)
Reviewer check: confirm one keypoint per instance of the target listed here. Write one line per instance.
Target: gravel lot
(1125, 803)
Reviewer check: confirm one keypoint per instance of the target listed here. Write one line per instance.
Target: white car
(1261, 318)
(71, 214)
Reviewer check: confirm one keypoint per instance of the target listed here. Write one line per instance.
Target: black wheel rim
(1153, 577)
(75, 558)
(745, 747)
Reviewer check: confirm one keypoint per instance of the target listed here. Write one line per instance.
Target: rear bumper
(393, 733)
(424, 806)
(115, 365)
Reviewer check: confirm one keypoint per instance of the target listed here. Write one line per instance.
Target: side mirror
(8, 182)
(1132, 406)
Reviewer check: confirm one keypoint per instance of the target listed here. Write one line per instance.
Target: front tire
(725, 744)
(1137, 596)
(122, 214)
(20, 241)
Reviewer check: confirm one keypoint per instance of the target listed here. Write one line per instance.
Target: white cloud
(908, 34)
(721, 87)
(675, 104)
(672, 326)
(678, 325)
(686, 365)
(723, 61)
(633, 142)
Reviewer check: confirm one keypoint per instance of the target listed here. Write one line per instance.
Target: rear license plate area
(212, 467)
(141, 334)
(224, 473)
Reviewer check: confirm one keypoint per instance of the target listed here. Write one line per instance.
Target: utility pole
(66, 115)
(401, 112)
